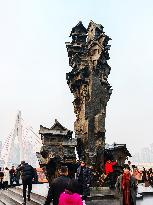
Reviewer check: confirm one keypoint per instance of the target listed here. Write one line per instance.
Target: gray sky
(34, 62)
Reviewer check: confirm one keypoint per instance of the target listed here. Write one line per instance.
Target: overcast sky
(34, 62)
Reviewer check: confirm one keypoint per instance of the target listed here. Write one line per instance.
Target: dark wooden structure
(58, 148)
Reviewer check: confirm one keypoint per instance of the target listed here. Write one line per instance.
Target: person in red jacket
(109, 166)
(109, 173)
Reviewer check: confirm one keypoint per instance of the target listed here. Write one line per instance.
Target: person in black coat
(58, 186)
(27, 174)
(12, 175)
(1, 177)
(144, 175)
(83, 176)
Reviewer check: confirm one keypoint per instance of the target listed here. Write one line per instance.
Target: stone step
(14, 197)
(34, 197)
(7, 199)
(17, 196)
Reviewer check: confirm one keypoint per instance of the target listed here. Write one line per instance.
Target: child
(70, 196)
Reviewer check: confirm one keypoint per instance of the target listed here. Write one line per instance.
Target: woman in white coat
(6, 178)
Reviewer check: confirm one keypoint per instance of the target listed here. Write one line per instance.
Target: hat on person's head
(22, 162)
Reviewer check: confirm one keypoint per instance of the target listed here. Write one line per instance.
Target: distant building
(144, 156)
(136, 158)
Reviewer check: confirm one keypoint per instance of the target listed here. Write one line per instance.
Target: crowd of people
(147, 177)
(123, 180)
(142, 175)
(9, 177)
(66, 190)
